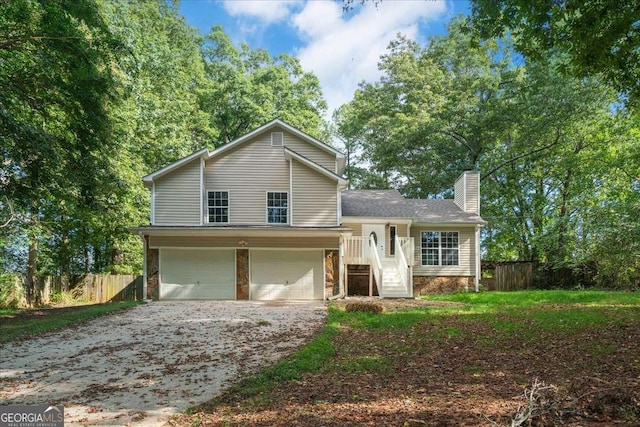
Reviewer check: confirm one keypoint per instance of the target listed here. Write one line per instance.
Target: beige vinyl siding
(466, 254)
(467, 192)
(314, 198)
(248, 172)
(472, 193)
(355, 226)
(458, 196)
(402, 230)
(310, 151)
(252, 242)
(177, 197)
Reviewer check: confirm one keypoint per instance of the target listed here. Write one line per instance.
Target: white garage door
(286, 274)
(197, 274)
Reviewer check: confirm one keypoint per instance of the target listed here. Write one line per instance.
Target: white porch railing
(362, 251)
(354, 250)
(404, 267)
(407, 248)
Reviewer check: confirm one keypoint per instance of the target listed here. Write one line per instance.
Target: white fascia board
(241, 231)
(308, 138)
(148, 180)
(446, 224)
(289, 154)
(269, 125)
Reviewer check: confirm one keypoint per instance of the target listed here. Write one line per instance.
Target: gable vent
(277, 139)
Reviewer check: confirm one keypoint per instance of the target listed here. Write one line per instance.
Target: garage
(197, 274)
(286, 274)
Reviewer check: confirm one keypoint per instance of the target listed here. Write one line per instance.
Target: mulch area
(454, 371)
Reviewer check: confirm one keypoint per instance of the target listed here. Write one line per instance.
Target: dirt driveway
(139, 366)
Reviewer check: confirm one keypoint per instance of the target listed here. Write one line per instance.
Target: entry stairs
(392, 284)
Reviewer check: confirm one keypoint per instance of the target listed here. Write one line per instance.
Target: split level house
(269, 216)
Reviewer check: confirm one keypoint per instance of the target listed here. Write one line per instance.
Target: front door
(377, 231)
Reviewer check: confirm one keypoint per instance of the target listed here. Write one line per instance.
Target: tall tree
(247, 88)
(600, 37)
(559, 162)
(157, 117)
(55, 86)
(434, 111)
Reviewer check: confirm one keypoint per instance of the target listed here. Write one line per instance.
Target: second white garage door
(286, 274)
(197, 274)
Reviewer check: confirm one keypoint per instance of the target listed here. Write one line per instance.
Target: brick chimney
(467, 191)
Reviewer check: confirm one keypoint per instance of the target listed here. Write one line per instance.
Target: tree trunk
(31, 282)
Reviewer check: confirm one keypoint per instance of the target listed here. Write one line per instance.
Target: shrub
(11, 291)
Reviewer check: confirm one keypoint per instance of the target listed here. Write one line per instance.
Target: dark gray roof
(391, 204)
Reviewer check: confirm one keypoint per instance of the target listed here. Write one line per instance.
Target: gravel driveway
(139, 366)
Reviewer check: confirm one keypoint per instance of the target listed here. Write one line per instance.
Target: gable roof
(279, 123)
(290, 154)
(148, 179)
(206, 154)
(391, 204)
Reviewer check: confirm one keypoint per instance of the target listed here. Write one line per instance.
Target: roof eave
(148, 179)
(288, 154)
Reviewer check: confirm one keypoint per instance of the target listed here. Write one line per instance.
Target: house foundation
(434, 285)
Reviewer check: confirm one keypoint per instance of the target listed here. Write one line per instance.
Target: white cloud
(266, 11)
(342, 50)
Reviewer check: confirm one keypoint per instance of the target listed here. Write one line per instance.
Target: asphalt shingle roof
(391, 204)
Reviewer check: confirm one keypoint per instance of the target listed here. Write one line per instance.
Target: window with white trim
(440, 248)
(277, 207)
(218, 206)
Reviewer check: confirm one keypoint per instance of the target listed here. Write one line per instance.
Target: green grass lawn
(20, 324)
(452, 359)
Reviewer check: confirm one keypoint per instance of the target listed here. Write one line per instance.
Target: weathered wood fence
(513, 277)
(517, 275)
(97, 288)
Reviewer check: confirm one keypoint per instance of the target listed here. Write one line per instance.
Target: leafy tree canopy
(600, 37)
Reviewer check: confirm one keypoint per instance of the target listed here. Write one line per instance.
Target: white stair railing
(403, 266)
(376, 265)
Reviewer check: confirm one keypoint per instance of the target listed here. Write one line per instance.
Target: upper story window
(218, 206)
(277, 207)
(440, 248)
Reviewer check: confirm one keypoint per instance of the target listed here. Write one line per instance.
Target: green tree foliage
(157, 117)
(559, 164)
(432, 114)
(600, 37)
(247, 88)
(96, 94)
(55, 87)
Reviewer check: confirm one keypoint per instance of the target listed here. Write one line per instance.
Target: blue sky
(340, 48)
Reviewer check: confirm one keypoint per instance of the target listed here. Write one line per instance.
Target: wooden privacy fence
(103, 288)
(97, 288)
(516, 276)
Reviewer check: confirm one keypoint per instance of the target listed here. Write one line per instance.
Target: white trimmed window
(218, 206)
(440, 248)
(277, 207)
